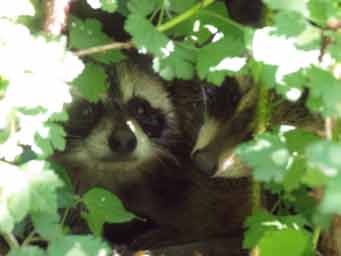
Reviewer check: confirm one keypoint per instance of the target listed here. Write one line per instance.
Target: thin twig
(103, 48)
(29, 238)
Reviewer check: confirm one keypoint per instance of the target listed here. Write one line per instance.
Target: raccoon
(137, 143)
(224, 128)
(214, 155)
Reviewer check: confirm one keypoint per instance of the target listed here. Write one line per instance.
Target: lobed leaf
(103, 206)
(27, 251)
(78, 246)
(92, 83)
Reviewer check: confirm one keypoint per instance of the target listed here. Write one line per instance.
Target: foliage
(297, 48)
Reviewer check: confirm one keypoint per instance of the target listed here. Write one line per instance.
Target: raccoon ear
(83, 116)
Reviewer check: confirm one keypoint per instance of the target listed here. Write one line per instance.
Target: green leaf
(109, 5)
(295, 174)
(88, 33)
(145, 36)
(59, 117)
(289, 23)
(196, 28)
(331, 203)
(261, 226)
(213, 59)
(57, 135)
(286, 242)
(78, 246)
(324, 155)
(289, 5)
(268, 155)
(103, 206)
(309, 39)
(143, 7)
(298, 139)
(180, 5)
(92, 83)
(320, 11)
(296, 81)
(255, 229)
(66, 196)
(55, 139)
(43, 184)
(44, 145)
(179, 64)
(314, 178)
(324, 91)
(171, 60)
(27, 251)
(47, 225)
(304, 203)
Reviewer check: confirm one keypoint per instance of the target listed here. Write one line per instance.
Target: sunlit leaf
(78, 246)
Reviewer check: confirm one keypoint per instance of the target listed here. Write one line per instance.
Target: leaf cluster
(297, 49)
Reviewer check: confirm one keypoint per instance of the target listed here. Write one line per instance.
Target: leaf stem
(10, 240)
(184, 16)
(316, 236)
(261, 123)
(162, 13)
(67, 210)
(262, 109)
(29, 238)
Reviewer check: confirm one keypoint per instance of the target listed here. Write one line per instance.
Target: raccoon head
(227, 123)
(139, 123)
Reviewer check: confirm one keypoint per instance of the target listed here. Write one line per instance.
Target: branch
(161, 28)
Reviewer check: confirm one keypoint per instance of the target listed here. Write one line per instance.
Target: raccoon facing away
(137, 142)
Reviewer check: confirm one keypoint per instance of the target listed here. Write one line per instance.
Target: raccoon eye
(139, 107)
(82, 117)
(151, 120)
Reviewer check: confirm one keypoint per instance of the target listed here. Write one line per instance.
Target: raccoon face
(135, 124)
(227, 123)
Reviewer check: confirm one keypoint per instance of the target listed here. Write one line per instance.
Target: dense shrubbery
(297, 48)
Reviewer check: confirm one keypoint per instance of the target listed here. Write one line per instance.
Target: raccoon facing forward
(137, 143)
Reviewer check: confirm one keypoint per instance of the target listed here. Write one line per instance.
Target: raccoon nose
(205, 161)
(122, 141)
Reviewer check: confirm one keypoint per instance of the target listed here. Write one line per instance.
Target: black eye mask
(151, 120)
(83, 116)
